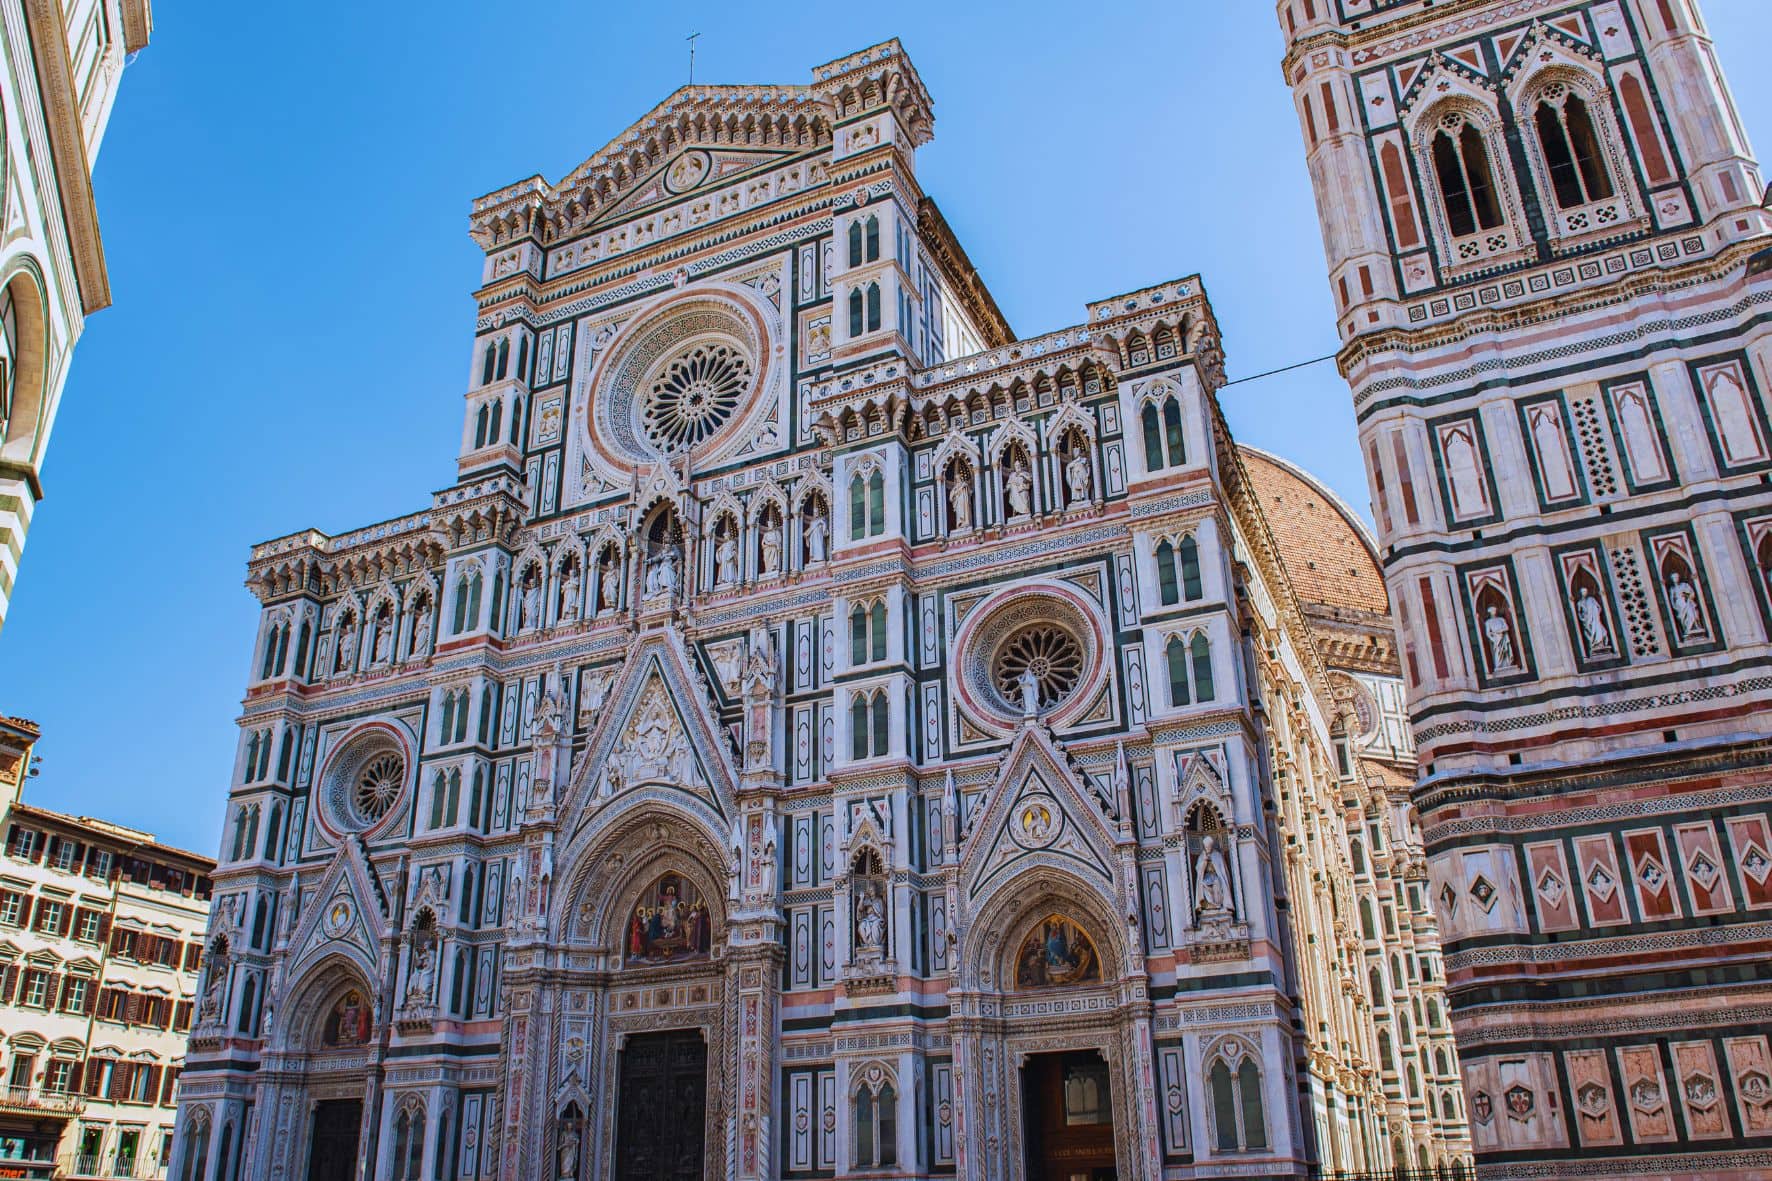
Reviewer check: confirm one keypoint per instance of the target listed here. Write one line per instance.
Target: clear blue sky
(284, 196)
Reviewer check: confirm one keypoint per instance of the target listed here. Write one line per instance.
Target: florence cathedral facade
(821, 734)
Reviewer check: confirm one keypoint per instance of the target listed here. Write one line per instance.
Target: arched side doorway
(1051, 1034)
(318, 1058)
(639, 1080)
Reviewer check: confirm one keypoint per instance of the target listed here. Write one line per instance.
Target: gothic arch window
(873, 307)
(1190, 669)
(1368, 924)
(248, 1001)
(489, 363)
(873, 238)
(867, 504)
(1187, 560)
(1164, 443)
(197, 1148)
(276, 648)
(523, 356)
(867, 632)
(1234, 1080)
(409, 1141)
(285, 749)
(476, 797)
(517, 422)
(1175, 654)
(274, 830)
(504, 358)
(855, 243)
(1571, 145)
(857, 320)
(1448, 1106)
(1462, 167)
(1168, 585)
(1442, 1063)
(876, 1125)
(869, 725)
(467, 602)
(303, 639)
(1387, 1052)
(496, 421)
(480, 421)
(1375, 983)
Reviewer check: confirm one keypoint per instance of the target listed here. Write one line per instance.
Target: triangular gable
(1545, 45)
(348, 909)
(656, 729)
(1442, 76)
(684, 172)
(1038, 812)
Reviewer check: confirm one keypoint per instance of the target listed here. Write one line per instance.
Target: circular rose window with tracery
(1036, 639)
(364, 782)
(378, 786)
(695, 393)
(1053, 657)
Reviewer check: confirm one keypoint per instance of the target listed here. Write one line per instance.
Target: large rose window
(364, 782)
(1037, 639)
(1049, 652)
(694, 393)
(378, 786)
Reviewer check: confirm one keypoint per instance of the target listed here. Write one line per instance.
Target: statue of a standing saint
(529, 617)
(607, 585)
(1076, 476)
(1593, 622)
(1688, 619)
(1029, 683)
(1500, 634)
(569, 595)
(772, 548)
(1019, 485)
(726, 560)
(421, 631)
(960, 501)
(817, 538)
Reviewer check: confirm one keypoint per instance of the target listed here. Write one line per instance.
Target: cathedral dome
(1328, 553)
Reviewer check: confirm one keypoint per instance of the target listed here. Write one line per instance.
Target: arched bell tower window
(1465, 175)
(1571, 145)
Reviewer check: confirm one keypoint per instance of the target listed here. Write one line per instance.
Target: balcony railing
(51, 1102)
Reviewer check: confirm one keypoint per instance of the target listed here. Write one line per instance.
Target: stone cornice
(67, 144)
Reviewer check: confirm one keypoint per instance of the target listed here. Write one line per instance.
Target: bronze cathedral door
(661, 1101)
(333, 1154)
(1068, 1117)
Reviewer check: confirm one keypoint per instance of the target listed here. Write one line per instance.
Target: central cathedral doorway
(333, 1153)
(1067, 1110)
(662, 1097)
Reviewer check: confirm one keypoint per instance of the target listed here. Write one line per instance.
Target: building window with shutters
(50, 917)
(75, 992)
(59, 1077)
(35, 993)
(67, 855)
(12, 909)
(23, 843)
(89, 926)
